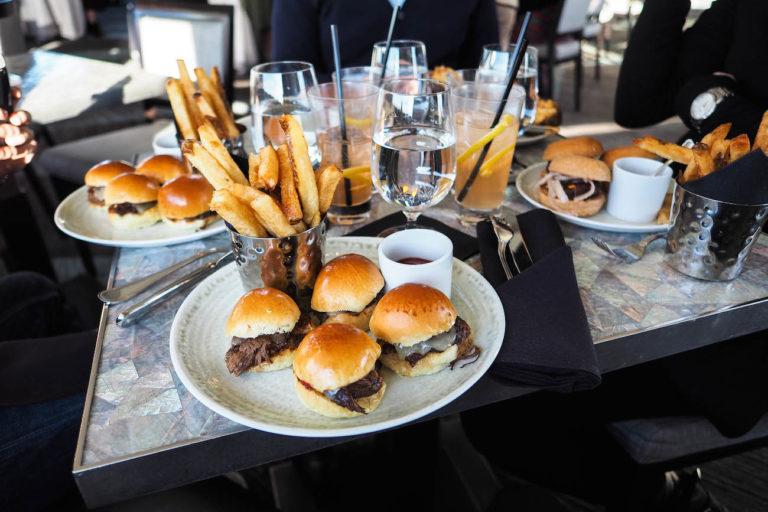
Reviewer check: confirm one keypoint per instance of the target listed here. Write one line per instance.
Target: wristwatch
(704, 104)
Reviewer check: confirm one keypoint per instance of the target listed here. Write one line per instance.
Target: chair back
(573, 16)
(160, 32)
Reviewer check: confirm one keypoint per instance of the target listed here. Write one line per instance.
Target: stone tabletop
(139, 406)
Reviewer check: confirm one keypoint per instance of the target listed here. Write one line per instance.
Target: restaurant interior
(220, 290)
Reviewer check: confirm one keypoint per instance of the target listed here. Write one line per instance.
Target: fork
(502, 238)
(629, 253)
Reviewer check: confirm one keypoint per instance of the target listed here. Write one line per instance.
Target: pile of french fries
(711, 154)
(282, 195)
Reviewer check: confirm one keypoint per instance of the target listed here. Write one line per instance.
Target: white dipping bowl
(417, 243)
(636, 195)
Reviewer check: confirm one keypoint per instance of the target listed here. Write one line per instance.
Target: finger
(7, 130)
(20, 117)
(3, 114)
(23, 137)
(15, 96)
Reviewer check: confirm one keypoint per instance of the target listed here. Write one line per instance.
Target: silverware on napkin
(503, 236)
(132, 313)
(521, 258)
(629, 253)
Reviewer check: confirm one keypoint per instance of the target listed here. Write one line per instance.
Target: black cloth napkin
(464, 245)
(547, 342)
(743, 182)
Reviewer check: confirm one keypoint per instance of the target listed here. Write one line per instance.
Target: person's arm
(482, 29)
(294, 32)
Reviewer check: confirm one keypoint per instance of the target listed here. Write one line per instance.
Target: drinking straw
(340, 103)
(517, 59)
(392, 20)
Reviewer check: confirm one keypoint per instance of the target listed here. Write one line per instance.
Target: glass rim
(517, 93)
(301, 66)
(313, 91)
(386, 87)
(399, 43)
(496, 47)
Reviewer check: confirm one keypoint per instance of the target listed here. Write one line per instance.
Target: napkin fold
(745, 181)
(547, 342)
(464, 245)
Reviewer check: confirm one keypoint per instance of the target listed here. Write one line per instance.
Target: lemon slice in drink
(505, 122)
(351, 172)
(488, 166)
(358, 122)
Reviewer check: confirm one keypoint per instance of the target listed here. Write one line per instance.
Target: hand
(17, 143)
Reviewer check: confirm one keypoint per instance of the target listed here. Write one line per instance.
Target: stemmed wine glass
(407, 59)
(413, 164)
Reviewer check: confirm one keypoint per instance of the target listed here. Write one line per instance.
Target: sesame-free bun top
(184, 197)
(262, 311)
(335, 355)
(412, 313)
(581, 167)
(131, 188)
(103, 172)
(580, 146)
(346, 283)
(614, 154)
(162, 168)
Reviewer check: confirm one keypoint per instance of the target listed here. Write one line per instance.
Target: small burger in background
(131, 201)
(162, 168)
(184, 202)
(266, 326)
(419, 331)
(346, 291)
(99, 175)
(574, 146)
(335, 371)
(575, 185)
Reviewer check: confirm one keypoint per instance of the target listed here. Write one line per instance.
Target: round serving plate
(526, 183)
(78, 219)
(528, 139)
(267, 401)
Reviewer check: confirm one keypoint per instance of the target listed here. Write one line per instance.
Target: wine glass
(494, 67)
(279, 88)
(357, 74)
(413, 164)
(407, 59)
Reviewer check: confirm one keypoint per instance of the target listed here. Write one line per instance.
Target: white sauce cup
(417, 243)
(636, 194)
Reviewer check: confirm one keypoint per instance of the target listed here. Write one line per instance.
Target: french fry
(690, 173)
(204, 162)
(302, 167)
(739, 147)
(719, 151)
(207, 112)
(269, 170)
(210, 140)
(665, 150)
(211, 94)
(719, 133)
(253, 171)
(244, 193)
(327, 180)
(180, 109)
(271, 216)
(289, 197)
(761, 139)
(315, 220)
(189, 93)
(299, 226)
(665, 210)
(703, 159)
(237, 213)
(216, 79)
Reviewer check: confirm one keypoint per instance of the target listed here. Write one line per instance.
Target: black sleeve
(483, 28)
(294, 32)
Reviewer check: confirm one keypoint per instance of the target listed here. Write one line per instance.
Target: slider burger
(419, 331)
(184, 201)
(99, 175)
(575, 146)
(131, 201)
(162, 168)
(574, 185)
(614, 154)
(335, 373)
(266, 326)
(346, 291)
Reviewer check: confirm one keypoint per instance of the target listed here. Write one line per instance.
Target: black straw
(517, 59)
(340, 95)
(392, 21)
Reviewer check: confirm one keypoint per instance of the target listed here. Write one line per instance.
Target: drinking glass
(356, 74)
(475, 106)
(413, 164)
(494, 66)
(407, 59)
(352, 154)
(279, 88)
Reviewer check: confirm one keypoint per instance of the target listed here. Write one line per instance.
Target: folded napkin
(464, 245)
(547, 342)
(743, 182)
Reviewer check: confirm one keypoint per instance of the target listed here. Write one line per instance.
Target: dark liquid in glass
(6, 100)
(414, 261)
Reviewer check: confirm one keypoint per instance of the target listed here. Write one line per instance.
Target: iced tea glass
(481, 193)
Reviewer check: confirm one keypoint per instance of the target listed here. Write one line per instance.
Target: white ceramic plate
(78, 219)
(267, 401)
(603, 221)
(527, 140)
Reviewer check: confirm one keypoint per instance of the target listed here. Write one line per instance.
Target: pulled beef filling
(96, 195)
(322, 317)
(346, 396)
(246, 353)
(202, 216)
(127, 208)
(463, 340)
(575, 187)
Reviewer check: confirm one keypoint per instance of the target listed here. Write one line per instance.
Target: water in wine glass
(266, 122)
(414, 167)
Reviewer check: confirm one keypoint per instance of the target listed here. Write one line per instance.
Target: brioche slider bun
(131, 201)
(329, 358)
(162, 168)
(103, 172)
(614, 154)
(575, 146)
(581, 168)
(185, 201)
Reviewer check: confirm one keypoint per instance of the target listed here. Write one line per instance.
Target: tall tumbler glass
(475, 105)
(414, 146)
(357, 74)
(494, 66)
(279, 88)
(407, 59)
(352, 201)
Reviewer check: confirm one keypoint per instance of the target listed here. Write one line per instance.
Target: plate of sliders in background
(368, 386)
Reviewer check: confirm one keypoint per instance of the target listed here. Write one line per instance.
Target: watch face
(703, 106)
